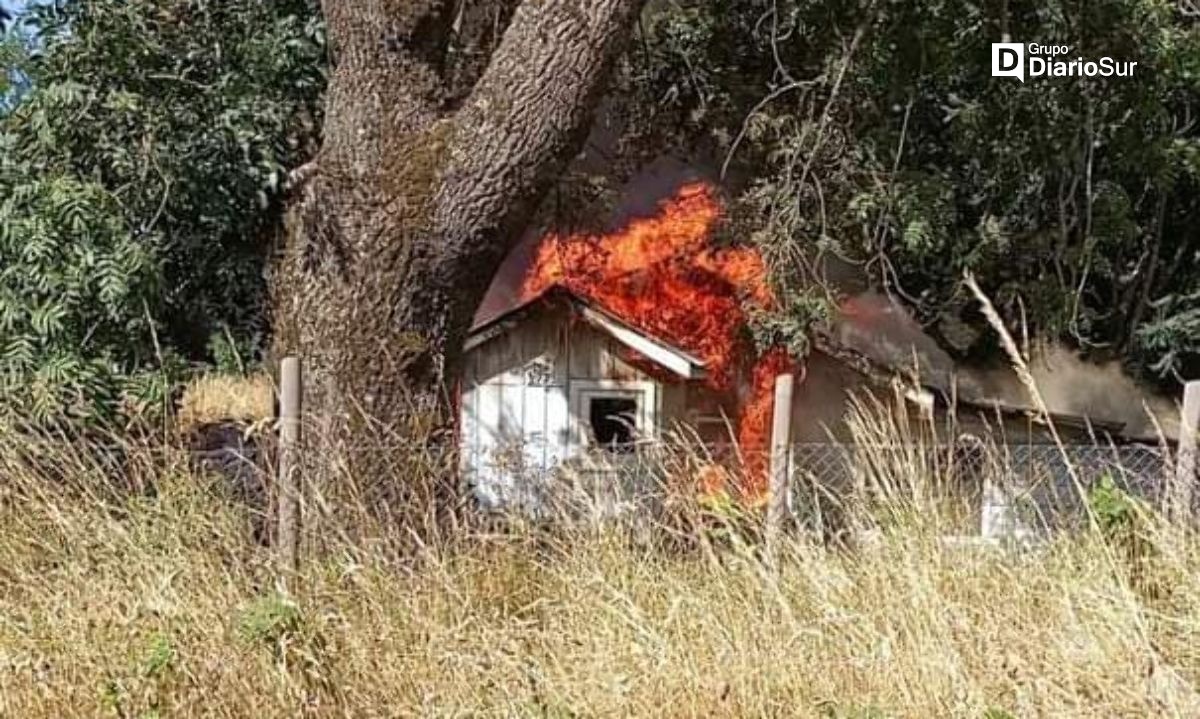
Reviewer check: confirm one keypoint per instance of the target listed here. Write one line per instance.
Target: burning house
(616, 337)
(558, 381)
(609, 341)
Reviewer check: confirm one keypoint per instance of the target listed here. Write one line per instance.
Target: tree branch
(476, 31)
(517, 130)
(300, 176)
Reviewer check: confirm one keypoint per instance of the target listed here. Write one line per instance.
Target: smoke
(1075, 386)
(880, 328)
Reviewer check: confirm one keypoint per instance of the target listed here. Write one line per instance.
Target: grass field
(162, 602)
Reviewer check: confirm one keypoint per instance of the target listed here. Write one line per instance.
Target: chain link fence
(998, 489)
(989, 490)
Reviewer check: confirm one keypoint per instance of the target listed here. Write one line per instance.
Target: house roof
(858, 348)
(878, 337)
(659, 351)
(944, 390)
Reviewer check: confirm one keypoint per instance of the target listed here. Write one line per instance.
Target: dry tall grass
(151, 597)
(221, 397)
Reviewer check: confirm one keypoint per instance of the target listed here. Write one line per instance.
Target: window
(611, 415)
(613, 421)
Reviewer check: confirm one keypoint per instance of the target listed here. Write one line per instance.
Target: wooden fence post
(291, 397)
(781, 441)
(1185, 454)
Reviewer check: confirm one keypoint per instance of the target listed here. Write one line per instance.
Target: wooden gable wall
(515, 414)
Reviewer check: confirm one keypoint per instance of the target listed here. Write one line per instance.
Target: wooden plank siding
(516, 400)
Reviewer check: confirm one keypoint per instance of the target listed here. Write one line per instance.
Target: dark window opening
(612, 420)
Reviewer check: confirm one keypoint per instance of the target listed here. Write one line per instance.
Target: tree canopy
(874, 132)
(140, 177)
(866, 144)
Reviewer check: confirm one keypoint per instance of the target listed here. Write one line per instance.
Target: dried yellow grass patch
(215, 398)
(164, 604)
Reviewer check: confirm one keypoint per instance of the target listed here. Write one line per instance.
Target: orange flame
(660, 274)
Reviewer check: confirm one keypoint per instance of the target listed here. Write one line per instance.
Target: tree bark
(418, 195)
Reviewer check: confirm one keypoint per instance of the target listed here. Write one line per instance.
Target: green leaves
(1075, 201)
(70, 273)
(139, 186)
(1172, 334)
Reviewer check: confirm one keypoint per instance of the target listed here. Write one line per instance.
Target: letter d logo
(1008, 60)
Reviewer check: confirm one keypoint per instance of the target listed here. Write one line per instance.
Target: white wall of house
(525, 402)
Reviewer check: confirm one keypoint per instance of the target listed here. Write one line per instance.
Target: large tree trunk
(418, 193)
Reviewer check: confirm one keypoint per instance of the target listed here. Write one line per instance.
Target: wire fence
(1004, 489)
(996, 489)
